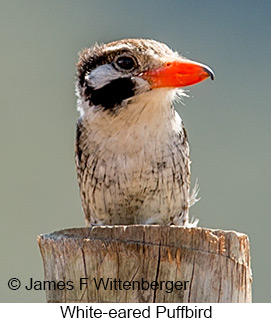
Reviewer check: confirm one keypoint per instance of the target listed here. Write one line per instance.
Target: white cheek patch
(102, 75)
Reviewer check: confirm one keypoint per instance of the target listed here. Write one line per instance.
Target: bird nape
(132, 153)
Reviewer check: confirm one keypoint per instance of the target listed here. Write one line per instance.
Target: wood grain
(180, 264)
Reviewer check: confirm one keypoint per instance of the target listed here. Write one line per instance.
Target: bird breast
(136, 161)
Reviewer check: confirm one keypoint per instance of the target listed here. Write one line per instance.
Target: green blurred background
(228, 121)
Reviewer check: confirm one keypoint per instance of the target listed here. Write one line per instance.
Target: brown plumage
(132, 153)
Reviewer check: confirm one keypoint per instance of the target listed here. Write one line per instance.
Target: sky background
(228, 121)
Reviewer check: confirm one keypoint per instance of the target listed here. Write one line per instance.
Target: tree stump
(146, 263)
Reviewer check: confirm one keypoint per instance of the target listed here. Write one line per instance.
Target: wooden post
(146, 263)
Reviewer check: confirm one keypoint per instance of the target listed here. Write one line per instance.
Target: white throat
(147, 118)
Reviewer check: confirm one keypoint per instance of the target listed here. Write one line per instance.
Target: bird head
(111, 75)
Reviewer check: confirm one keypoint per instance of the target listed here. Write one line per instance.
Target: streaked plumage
(132, 153)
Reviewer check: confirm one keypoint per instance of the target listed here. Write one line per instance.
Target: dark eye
(126, 63)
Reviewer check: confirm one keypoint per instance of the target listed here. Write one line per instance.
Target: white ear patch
(102, 75)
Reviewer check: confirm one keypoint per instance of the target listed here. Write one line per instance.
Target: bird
(131, 148)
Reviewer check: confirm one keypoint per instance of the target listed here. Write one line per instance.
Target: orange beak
(178, 73)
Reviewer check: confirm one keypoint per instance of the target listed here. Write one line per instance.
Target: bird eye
(126, 63)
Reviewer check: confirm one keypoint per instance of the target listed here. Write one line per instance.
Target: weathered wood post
(146, 263)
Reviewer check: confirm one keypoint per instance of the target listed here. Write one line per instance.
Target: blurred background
(228, 121)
